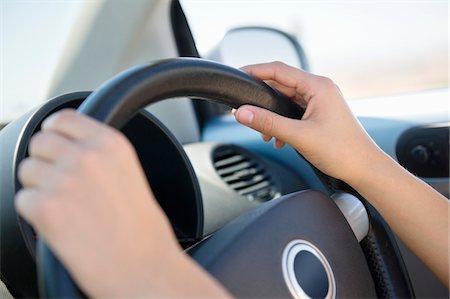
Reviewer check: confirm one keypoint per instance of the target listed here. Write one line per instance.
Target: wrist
(374, 161)
(151, 277)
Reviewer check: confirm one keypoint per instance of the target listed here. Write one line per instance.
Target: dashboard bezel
(18, 239)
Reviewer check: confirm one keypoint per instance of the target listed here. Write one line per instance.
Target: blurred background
(369, 48)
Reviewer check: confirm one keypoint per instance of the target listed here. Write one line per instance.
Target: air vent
(244, 173)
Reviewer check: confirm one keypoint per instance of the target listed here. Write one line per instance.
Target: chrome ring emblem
(290, 253)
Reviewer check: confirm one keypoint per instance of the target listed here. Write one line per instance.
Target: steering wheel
(299, 245)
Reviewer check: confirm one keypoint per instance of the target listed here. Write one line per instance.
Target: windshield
(33, 35)
(369, 48)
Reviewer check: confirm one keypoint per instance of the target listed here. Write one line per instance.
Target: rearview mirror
(249, 45)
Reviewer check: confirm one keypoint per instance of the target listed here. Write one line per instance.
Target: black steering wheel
(297, 245)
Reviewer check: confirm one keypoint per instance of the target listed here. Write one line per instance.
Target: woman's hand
(86, 194)
(331, 138)
(328, 136)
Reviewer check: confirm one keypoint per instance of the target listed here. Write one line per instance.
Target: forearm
(417, 213)
(330, 137)
(180, 277)
(192, 281)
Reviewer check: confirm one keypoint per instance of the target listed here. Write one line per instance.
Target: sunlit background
(33, 35)
(369, 48)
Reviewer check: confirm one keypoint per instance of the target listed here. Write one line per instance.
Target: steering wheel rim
(120, 98)
(117, 100)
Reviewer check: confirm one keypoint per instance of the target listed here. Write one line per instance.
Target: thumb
(267, 122)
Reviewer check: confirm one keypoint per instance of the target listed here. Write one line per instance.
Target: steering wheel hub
(307, 272)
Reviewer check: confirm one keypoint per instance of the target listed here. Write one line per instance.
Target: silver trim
(355, 213)
(287, 263)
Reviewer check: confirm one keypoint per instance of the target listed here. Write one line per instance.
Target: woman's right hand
(328, 135)
(331, 138)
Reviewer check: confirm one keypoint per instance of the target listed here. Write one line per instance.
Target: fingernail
(245, 116)
(275, 144)
(233, 111)
(266, 138)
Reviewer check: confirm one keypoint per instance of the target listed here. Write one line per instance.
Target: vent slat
(247, 183)
(244, 174)
(234, 168)
(228, 161)
(254, 188)
(223, 154)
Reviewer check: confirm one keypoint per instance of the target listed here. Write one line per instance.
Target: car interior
(235, 202)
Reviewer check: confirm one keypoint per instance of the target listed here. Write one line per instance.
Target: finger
(38, 209)
(266, 138)
(302, 82)
(268, 123)
(33, 172)
(289, 92)
(74, 125)
(27, 202)
(286, 90)
(278, 144)
(49, 146)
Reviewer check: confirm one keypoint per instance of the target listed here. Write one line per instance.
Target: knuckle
(278, 67)
(86, 157)
(65, 182)
(115, 139)
(268, 125)
(20, 200)
(326, 82)
(338, 89)
(21, 203)
(23, 169)
(278, 64)
(60, 118)
(35, 142)
(67, 113)
(36, 208)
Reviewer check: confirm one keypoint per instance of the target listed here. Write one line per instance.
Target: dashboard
(414, 119)
(398, 124)
(204, 185)
(234, 180)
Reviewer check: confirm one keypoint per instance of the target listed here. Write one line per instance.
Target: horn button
(299, 245)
